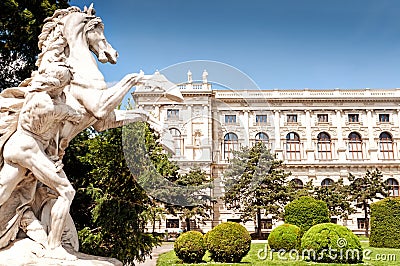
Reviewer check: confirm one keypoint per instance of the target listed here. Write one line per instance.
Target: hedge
(286, 237)
(190, 247)
(385, 223)
(331, 243)
(228, 242)
(306, 212)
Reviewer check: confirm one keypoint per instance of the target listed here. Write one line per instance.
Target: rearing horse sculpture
(68, 37)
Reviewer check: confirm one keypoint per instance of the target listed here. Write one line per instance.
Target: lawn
(377, 257)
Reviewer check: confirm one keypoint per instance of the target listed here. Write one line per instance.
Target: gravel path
(165, 247)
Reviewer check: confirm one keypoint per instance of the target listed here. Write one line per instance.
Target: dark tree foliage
(180, 194)
(111, 208)
(21, 23)
(256, 183)
(337, 198)
(78, 173)
(365, 190)
(198, 212)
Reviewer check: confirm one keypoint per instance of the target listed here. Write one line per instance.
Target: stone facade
(321, 135)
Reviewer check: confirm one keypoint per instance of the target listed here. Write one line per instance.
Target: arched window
(178, 141)
(261, 137)
(355, 146)
(327, 182)
(386, 145)
(393, 187)
(231, 144)
(324, 146)
(297, 183)
(293, 146)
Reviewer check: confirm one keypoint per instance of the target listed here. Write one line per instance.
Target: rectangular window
(230, 119)
(384, 118)
(234, 220)
(354, 118)
(361, 223)
(172, 223)
(322, 118)
(172, 114)
(261, 119)
(266, 223)
(334, 220)
(292, 118)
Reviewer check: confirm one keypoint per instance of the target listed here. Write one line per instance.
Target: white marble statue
(38, 119)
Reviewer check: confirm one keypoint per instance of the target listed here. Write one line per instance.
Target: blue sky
(279, 44)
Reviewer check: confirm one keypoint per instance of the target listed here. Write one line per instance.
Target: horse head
(83, 28)
(97, 42)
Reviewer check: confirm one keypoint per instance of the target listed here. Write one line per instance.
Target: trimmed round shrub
(385, 223)
(190, 247)
(331, 243)
(285, 236)
(306, 212)
(228, 242)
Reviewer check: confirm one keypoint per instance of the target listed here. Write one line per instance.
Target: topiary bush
(330, 242)
(228, 242)
(285, 236)
(385, 223)
(306, 212)
(190, 247)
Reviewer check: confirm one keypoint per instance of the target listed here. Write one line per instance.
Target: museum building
(321, 135)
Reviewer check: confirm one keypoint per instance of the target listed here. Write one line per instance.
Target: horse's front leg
(119, 118)
(100, 103)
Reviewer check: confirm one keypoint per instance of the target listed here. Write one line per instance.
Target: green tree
(198, 212)
(184, 195)
(256, 182)
(337, 198)
(364, 190)
(117, 204)
(21, 23)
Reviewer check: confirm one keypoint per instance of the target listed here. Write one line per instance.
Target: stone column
(309, 151)
(157, 111)
(341, 145)
(189, 127)
(372, 147)
(246, 127)
(277, 125)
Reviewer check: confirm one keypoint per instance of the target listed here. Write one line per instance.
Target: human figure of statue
(41, 116)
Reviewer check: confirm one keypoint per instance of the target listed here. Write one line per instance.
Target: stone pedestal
(27, 252)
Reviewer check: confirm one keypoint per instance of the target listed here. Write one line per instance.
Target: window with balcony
(178, 141)
(172, 223)
(296, 184)
(324, 146)
(386, 146)
(172, 114)
(384, 118)
(230, 119)
(231, 144)
(291, 118)
(261, 119)
(355, 146)
(354, 118)
(322, 118)
(327, 182)
(393, 187)
(293, 146)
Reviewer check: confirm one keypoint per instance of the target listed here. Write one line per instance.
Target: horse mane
(51, 37)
